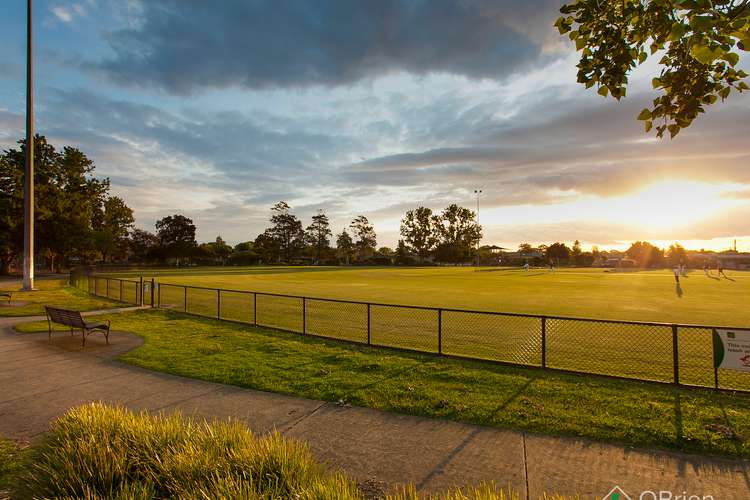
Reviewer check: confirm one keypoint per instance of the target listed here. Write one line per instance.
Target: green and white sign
(732, 349)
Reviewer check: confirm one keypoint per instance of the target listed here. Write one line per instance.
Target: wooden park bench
(74, 320)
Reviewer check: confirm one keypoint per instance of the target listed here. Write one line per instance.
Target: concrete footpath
(39, 381)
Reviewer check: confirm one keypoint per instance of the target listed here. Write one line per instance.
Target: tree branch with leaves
(699, 43)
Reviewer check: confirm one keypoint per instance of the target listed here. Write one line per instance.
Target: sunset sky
(217, 110)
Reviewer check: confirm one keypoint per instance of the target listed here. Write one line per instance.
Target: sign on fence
(732, 349)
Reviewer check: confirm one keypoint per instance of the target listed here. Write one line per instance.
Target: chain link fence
(117, 289)
(657, 352)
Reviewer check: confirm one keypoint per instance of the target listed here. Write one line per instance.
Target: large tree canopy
(698, 42)
(71, 206)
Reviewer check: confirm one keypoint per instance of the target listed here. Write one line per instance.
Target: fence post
(218, 303)
(153, 283)
(139, 294)
(304, 315)
(544, 342)
(369, 338)
(120, 290)
(158, 297)
(255, 309)
(440, 331)
(185, 305)
(675, 356)
(107, 287)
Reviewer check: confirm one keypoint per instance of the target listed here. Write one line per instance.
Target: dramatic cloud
(184, 46)
(368, 108)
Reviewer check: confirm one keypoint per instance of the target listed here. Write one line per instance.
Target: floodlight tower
(28, 191)
(478, 193)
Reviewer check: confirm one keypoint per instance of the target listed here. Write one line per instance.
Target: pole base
(31, 289)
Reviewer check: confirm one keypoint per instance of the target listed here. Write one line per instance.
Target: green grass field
(633, 351)
(591, 293)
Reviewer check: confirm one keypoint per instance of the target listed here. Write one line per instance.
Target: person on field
(720, 268)
(705, 268)
(676, 271)
(526, 267)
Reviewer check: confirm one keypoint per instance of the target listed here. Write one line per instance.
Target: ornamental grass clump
(99, 451)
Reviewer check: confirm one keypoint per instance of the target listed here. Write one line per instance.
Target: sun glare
(669, 204)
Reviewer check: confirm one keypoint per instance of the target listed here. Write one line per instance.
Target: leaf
(645, 114)
(648, 125)
(603, 91)
(731, 58)
(678, 30)
(702, 53)
(656, 83)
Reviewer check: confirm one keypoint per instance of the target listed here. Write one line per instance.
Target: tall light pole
(478, 193)
(28, 191)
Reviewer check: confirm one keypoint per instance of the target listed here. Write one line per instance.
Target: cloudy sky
(218, 110)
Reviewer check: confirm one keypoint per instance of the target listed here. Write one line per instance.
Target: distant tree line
(77, 221)
(640, 254)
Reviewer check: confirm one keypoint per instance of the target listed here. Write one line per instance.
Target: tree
(112, 230)
(645, 254)
(142, 245)
(419, 229)
(245, 246)
(318, 234)
(558, 253)
(69, 202)
(676, 255)
(244, 254)
(222, 251)
(459, 234)
(366, 239)
(698, 42)
(286, 229)
(176, 235)
(344, 246)
(575, 253)
(403, 255)
(266, 246)
(525, 249)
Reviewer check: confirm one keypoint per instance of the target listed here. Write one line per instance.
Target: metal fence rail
(659, 352)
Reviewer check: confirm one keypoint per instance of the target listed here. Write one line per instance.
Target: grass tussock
(97, 451)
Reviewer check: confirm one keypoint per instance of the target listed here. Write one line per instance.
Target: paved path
(39, 381)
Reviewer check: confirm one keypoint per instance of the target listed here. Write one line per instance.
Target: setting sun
(668, 204)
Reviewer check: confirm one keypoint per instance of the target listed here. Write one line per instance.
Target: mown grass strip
(52, 293)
